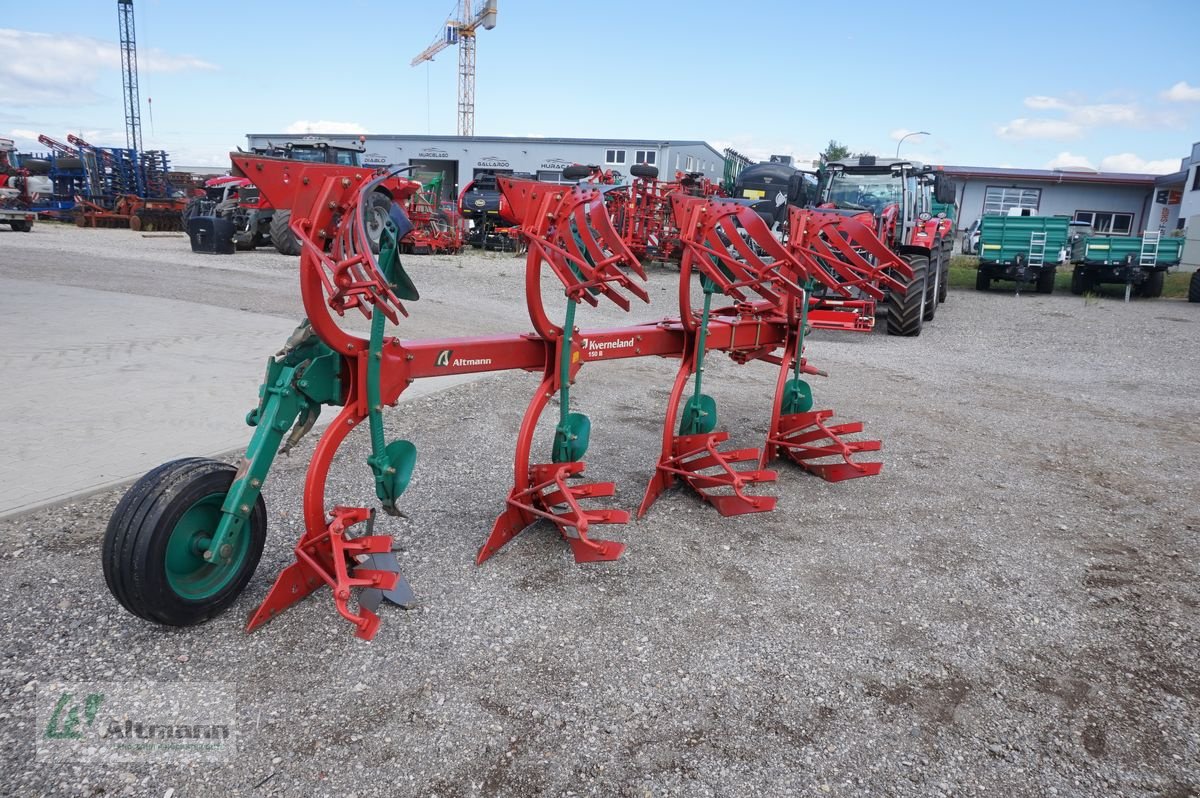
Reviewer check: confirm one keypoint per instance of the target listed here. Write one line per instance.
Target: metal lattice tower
(466, 82)
(129, 76)
(462, 32)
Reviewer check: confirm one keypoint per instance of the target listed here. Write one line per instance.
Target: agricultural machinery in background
(186, 538)
(18, 190)
(1140, 264)
(895, 198)
(236, 200)
(482, 207)
(1026, 250)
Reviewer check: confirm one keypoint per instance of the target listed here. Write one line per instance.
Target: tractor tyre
(1152, 288)
(644, 171)
(152, 550)
(944, 285)
(906, 312)
(1194, 287)
(244, 240)
(282, 237)
(135, 223)
(931, 297)
(982, 281)
(191, 209)
(1080, 284)
(1045, 281)
(379, 205)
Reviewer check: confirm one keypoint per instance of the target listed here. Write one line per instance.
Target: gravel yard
(1010, 608)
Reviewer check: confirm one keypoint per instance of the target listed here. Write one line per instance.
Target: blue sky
(1101, 84)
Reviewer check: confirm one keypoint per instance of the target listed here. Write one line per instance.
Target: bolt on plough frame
(184, 540)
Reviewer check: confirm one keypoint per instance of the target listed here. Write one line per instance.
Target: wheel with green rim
(154, 546)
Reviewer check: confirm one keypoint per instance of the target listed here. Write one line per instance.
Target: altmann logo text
(600, 346)
(446, 358)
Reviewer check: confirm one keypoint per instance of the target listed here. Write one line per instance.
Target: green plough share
(797, 393)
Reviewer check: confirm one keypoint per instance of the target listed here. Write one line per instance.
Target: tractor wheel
(282, 237)
(1153, 287)
(906, 311)
(1080, 284)
(931, 298)
(152, 548)
(982, 281)
(944, 285)
(1194, 287)
(378, 207)
(1045, 281)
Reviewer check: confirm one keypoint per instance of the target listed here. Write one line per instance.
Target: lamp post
(906, 135)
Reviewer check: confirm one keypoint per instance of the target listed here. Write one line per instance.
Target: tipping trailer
(1139, 263)
(895, 198)
(1024, 249)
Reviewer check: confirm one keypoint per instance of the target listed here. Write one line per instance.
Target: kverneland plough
(186, 538)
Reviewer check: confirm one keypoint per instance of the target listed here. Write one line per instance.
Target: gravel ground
(1010, 608)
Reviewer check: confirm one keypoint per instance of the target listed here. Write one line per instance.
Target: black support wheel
(1045, 280)
(153, 553)
(982, 281)
(282, 237)
(906, 312)
(1194, 287)
(1080, 284)
(1152, 288)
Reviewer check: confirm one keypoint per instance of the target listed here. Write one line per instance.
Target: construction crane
(129, 76)
(461, 31)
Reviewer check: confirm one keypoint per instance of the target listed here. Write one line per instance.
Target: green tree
(836, 151)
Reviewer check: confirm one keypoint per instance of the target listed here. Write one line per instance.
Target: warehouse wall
(1059, 199)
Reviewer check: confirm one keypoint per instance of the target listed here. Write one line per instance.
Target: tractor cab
(898, 194)
(316, 150)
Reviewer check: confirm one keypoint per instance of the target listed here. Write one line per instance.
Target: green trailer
(1139, 262)
(1023, 249)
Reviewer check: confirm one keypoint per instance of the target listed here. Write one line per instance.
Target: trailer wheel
(152, 547)
(1045, 281)
(906, 311)
(1080, 284)
(982, 281)
(1153, 287)
(1194, 287)
(282, 237)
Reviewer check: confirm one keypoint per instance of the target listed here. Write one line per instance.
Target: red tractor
(895, 198)
(15, 194)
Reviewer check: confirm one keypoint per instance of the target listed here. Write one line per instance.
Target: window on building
(998, 200)
(689, 164)
(614, 156)
(548, 176)
(645, 156)
(1107, 222)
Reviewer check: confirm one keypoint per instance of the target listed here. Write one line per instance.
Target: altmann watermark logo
(446, 358)
(136, 722)
(598, 348)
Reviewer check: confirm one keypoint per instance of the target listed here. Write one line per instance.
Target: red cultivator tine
(805, 439)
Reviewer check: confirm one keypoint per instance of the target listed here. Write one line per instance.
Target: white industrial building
(460, 159)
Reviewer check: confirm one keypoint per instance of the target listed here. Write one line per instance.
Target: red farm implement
(186, 538)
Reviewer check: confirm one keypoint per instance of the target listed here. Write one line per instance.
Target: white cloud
(1104, 114)
(1042, 103)
(1128, 162)
(1181, 92)
(45, 69)
(305, 126)
(1066, 160)
(1039, 129)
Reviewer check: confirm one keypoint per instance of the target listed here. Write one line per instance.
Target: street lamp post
(906, 135)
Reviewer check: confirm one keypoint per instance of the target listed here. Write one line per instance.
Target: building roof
(1053, 175)
(1175, 178)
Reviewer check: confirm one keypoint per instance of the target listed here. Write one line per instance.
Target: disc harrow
(759, 297)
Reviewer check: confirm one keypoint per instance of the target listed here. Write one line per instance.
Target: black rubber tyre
(1045, 281)
(1080, 284)
(135, 543)
(36, 166)
(282, 237)
(644, 171)
(576, 172)
(1152, 288)
(378, 207)
(944, 284)
(982, 281)
(191, 209)
(906, 311)
(244, 240)
(1194, 287)
(932, 289)
(22, 227)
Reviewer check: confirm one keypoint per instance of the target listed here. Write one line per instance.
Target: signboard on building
(375, 159)
(433, 152)
(556, 164)
(492, 162)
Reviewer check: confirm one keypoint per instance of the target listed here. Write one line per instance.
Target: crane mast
(462, 31)
(129, 76)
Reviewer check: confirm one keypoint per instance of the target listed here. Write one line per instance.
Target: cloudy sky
(1045, 84)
